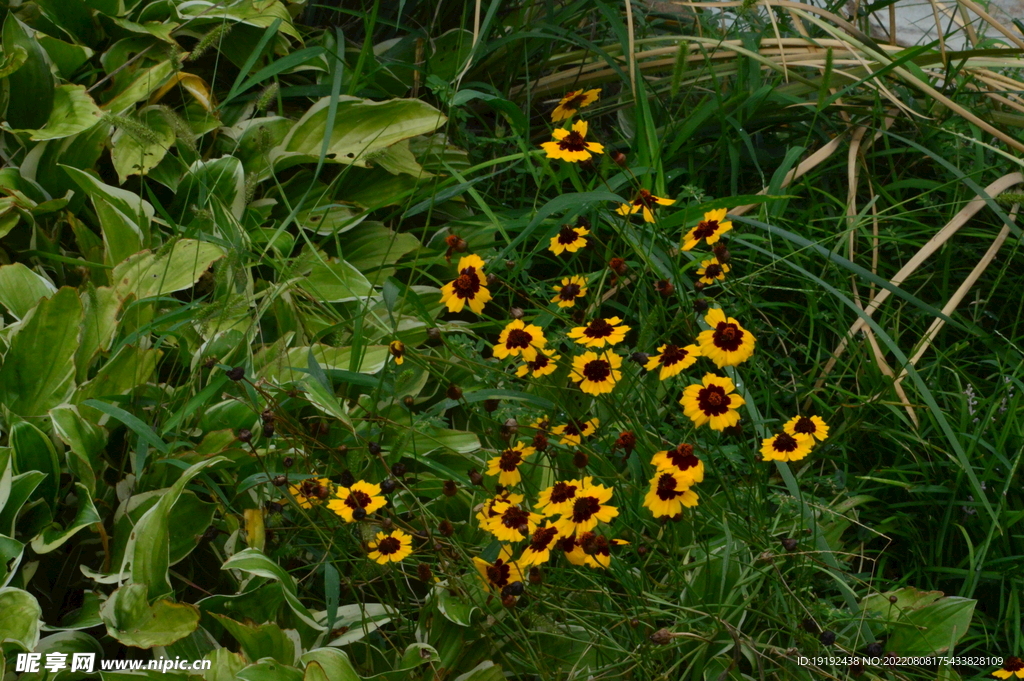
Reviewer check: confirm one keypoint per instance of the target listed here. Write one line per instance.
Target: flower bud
(236, 374)
(492, 279)
(423, 572)
(399, 470)
(475, 477)
(491, 405)
(516, 313)
(540, 441)
(387, 485)
(789, 544)
(513, 589)
(445, 528)
(721, 252)
(700, 305)
(509, 429)
(536, 575)
(699, 286)
(359, 514)
(245, 435)
(347, 479)
(618, 266)
(510, 264)
(373, 448)
(434, 334)
(664, 287)
(619, 159)
(210, 362)
(827, 637)
(662, 637)
(279, 480)
(640, 358)
(454, 392)
(268, 430)
(580, 459)
(450, 488)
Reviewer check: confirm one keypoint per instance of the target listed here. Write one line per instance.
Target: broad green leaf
(146, 274)
(450, 51)
(21, 289)
(335, 281)
(255, 562)
(258, 13)
(373, 248)
(133, 155)
(326, 401)
(21, 618)
(417, 654)
(149, 544)
(356, 621)
(67, 57)
(222, 178)
(31, 85)
(270, 670)
(361, 128)
(280, 368)
(39, 370)
(71, 15)
(124, 217)
(225, 665)
(33, 451)
(134, 622)
(315, 672)
(931, 629)
(11, 62)
(85, 617)
(334, 218)
(145, 84)
(485, 671)
(454, 608)
(130, 367)
(430, 439)
(907, 599)
(22, 487)
(73, 112)
(262, 641)
(53, 537)
(101, 306)
(333, 662)
(11, 552)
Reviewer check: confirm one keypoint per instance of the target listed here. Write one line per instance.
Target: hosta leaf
(21, 618)
(333, 662)
(134, 155)
(73, 112)
(280, 368)
(145, 84)
(335, 281)
(134, 622)
(54, 536)
(261, 641)
(124, 216)
(21, 289)
(31, 85)
(146, 274)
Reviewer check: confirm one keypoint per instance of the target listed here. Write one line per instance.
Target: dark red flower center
(498, 574)
(673, 354)
(542, 537)
(666, 489)
(705, 229)
(646, 199)
(584, 508)
(682, 457)
(539, 363)
(805, 425)
(518, 338)
(727, 336)
(467, 285)
(569, 292)
(566, 544)
(562, 491)
(599, 328)
(567, 235)
(389, 545)
(713, 401)
(357, 499)
(1013, 664)
(574, 100)
(514, 517)
(573, 142)
(713, 271)
(597, 370)
(510, 460)
(574, 428)
(784, 442)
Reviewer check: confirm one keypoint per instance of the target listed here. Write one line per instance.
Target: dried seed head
(540, 441)
(536, 575)
(827, 637)
(408, 401)
(445, 528)
(516, 313)
(626, 441)
(664, 287)
(618, 266)
(423, 572)
(634, 623)
(700, 305)
(662, 637)
(454, 392)
(342, 450)
(373, 448)
(699, 286)
(399, 470)
(789, 544)
(475, 477)
(268, 430)
(491, 405)
(450, 488)
(619, 159)
(721, 252)
(267, 416)
(288, 462)
(508, 601)
(387, 485)
(580, 459)
(874, 649)
(210, 362)
(279, 480)
(236, 374)
(347, 479)
(513, 589)
(509, 429)
(245, 435)
(640, 358)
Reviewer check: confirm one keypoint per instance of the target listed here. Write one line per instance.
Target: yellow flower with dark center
(541, 423)
(710, 229)
(589, 507)
(569, 239)
(574, 431)
(501, 573)
(669, 493)
(712, 401)
(573, 101)
(543, 364)
(711, 271)
(646, 202)
(310, 492)
(597, 549)
(596, 374)
(539, 550)
(519, 339)
(571, 549)
(599, 332)
(1012, 666)
(506, 466)
(510, 522)
(572, 145)
(558, 498)
(361, 496)
(470, 286)
(786, 447)
(397, 350)
(572, 288)
(726, 343)
(681, 460)
(390, 548)
(807, 425)
(486, 510)
(672, 359)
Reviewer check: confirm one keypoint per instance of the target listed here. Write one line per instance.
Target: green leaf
(930, 630)
(53, 537)
(139, 427)
(21, 618)
(148, 81)
(258, 13)
(85, 617)
(314, 672)
(417, 654)
(11, 552)
(270, 670)
(430, 439)
(21, 289)
(326, 401)
(255, 562)
(31, 85)
(22, 487)
(333, 662)
(33, 451)
(134, 155)
(38, 369)
(222, 178)
(357, 621)
(485, 671)
(73, 112)
(85, 441)
(11, 62)
(335, 281)
(361, 128)
(225, 665)
(330, 358)
(261, 641)
(134, 622)
(146, 274)
(149, 543)
(67, 57)
(124, 217)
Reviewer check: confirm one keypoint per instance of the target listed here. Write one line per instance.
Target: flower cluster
(676, 470)
(796, 439)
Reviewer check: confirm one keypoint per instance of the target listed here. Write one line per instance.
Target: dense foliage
(515, 340)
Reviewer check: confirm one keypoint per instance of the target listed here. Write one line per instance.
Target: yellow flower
(572, 145)
(786, 447)
(595, 373)
(539, 551)
(390, 548)
(711, 228)
(501, 573)
(310, 492)
(541, 365)
(506, 466)
(487, 508)
(589, 507)
(726, 343)
(672, 359)
(712, 270)
(558, 498)
(511, 523)
(807, 425)
(569, 239)
(646, 202)
(683, 461)
(397, 350)
(597, 549)
(470, 286)
(668, 494)
(712, 401)
(573, 101)
(519, 339)
(599, 332)
(361, 499)
(575, 430)
(1011, 666)
(572, 288)
(541, 423)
